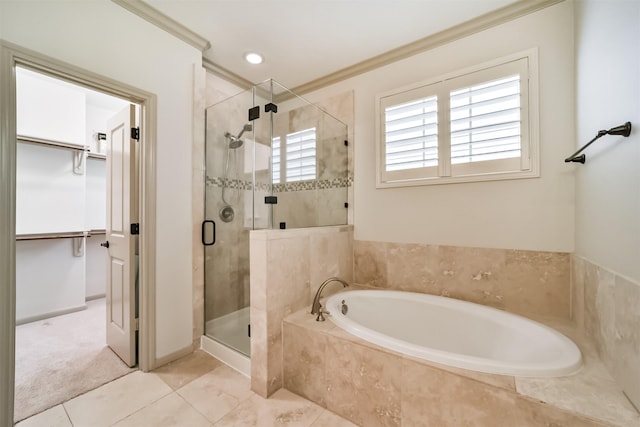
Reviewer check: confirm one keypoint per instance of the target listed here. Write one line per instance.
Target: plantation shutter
(275, 160)
(474, 125)
(301, 155)
(411, 134)
(485, 121)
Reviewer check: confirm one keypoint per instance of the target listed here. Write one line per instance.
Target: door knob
(105, 244)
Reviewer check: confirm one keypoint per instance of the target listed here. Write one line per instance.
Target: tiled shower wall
(607, 306)
(530, 283)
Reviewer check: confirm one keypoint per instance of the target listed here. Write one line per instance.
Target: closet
(60, 195)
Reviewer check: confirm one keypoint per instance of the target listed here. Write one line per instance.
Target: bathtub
(455, 333)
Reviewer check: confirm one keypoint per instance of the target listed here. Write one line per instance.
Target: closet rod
(51, 143)
(92, 155)
(47, 236)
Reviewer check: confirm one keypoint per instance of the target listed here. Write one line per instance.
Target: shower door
(228, 220)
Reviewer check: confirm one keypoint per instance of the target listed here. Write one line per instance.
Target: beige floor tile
(216, 393)
(329, 419)
(54, 417)
(116, 400)
(181, 372)
(282, 409)
(169, 411)
(231, 382)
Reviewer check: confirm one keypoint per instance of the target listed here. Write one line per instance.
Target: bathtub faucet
(316, 307)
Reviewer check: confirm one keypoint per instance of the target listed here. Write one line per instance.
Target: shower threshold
(226, 338)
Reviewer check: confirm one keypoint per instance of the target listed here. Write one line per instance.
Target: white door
(122, 209)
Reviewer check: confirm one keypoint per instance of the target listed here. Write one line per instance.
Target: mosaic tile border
(322, 184)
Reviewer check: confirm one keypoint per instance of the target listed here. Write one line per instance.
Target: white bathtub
(455, 333)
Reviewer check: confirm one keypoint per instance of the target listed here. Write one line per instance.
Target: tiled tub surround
(287, 266)
(607, 306)
(372, 386)
(530, 283)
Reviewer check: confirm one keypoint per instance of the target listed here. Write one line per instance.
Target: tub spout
(316, 307)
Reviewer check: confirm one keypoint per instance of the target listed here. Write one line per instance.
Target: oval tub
(455, 333)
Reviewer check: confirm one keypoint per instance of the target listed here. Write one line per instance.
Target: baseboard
(50, 314)
(160, 361)
(94, 297)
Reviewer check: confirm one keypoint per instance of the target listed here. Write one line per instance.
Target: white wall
(608, 94)
(104, 38)
(50, 198)
(49, 108)
(61, 289)
(534, 214)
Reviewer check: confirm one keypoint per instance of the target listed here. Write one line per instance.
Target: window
(299, 162)
(473, 125)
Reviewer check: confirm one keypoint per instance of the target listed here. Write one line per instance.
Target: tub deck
(371, 385)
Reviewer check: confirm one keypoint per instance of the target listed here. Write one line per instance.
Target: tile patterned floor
(195, 391)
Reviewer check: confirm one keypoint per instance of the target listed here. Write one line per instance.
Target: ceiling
(305, 40)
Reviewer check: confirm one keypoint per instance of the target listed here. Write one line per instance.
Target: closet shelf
(51, 143)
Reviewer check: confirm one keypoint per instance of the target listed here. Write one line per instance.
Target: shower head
(235, 141)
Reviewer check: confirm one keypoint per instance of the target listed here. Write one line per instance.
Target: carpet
(62, 357)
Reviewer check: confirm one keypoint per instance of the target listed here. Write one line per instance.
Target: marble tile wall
(525, 282)
(607, 306)
(287, 267)
(372, 387)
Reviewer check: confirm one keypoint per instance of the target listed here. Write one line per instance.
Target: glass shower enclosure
(273, 161)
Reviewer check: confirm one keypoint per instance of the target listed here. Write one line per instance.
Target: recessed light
(253, 58)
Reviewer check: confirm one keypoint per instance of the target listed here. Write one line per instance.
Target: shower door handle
(204, 232)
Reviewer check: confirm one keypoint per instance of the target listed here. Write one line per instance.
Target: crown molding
(225, 74)
(483, 22)
(160, 20)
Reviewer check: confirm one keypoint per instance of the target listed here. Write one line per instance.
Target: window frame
(526, 166)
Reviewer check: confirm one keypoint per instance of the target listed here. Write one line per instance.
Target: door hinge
(135, 229)
(135, 134)
(137, 324)
(254, 113)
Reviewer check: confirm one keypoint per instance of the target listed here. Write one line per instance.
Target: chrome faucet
(316, 307)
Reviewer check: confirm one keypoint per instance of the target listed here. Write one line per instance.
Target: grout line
(67, 414)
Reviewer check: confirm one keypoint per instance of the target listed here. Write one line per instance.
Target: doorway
(12, 56)
(62, 258)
